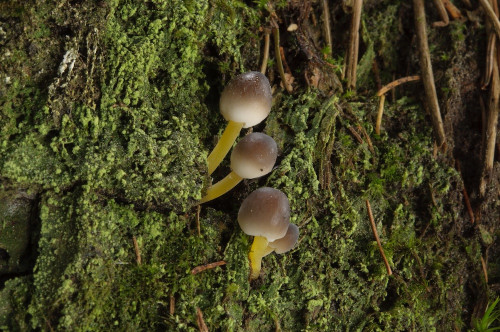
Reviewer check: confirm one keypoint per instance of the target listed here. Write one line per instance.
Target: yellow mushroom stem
(258, 250)
(224, 145)
(222, 187)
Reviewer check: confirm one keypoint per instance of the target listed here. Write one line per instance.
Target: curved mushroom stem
(258, 250)
(222, 187)
(224, 145)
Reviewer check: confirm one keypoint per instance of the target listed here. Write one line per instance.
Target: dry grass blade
(427, 74)
(375, 233)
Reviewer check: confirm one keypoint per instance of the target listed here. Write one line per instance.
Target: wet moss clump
(110, 143)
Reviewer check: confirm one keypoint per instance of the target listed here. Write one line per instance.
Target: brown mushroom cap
(246, 98)
(287, 242)
(254, 156)
(265, 212)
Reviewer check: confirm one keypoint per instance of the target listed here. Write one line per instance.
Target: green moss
(15, 220)
(14, 298)
(117, 148)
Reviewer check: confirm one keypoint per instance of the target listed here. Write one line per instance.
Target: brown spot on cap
(254, 156)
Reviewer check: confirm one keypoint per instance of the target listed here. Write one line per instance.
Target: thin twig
(452, 10)
(427, 75)
(375, 233)
(267, 38)
(172, 304)
(485, 269)
(445, 20)
(326, 25)
(352, 55)
(467, 204)
(283, 60)
(397, 82)
(198, 227)
(137, 251)
(491, 130)
(491, 16)
(202, 268)
(367, 138)
(201, 322)
(466, 195)
(277, 54)
(356, 135)
(379, 114)
(381, 93)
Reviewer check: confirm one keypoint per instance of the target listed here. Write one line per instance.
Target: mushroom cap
(247, 99)
(254, 155)
(265, 212)
(287, 242)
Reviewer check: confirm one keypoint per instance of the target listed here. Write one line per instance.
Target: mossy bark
(108, 110)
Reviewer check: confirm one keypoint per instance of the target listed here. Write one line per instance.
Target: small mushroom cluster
(265, 213)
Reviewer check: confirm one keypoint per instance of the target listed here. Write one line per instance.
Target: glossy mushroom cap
(247, 99)
(254, 156)
(287, 242)
(265, 212)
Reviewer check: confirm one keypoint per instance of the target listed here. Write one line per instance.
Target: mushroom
(253, 157)
(265, 214)
(244, 102)
(287, 242)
